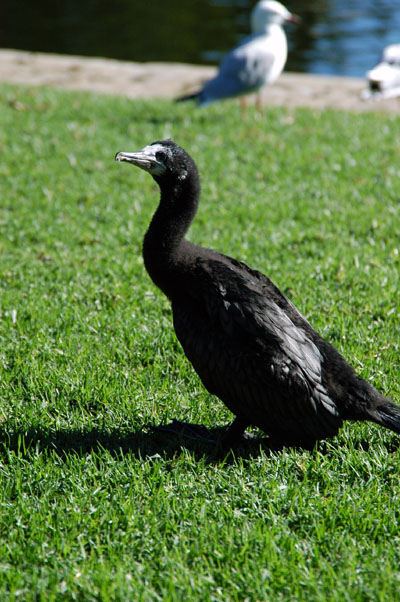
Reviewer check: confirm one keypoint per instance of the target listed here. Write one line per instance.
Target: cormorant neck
(165, 249)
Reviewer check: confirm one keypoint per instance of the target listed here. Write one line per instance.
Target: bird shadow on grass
(165, 441)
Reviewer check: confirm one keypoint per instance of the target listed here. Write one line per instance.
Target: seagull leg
(243, 107)
(259, 103)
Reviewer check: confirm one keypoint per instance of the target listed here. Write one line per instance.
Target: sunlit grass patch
(94, 505)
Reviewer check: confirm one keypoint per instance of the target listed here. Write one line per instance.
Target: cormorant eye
(161, 156)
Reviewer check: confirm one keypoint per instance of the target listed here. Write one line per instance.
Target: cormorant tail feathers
(388, 415)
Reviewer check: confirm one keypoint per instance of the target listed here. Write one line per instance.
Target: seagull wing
(244, 70)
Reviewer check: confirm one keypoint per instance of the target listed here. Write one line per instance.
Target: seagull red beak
(294, 18)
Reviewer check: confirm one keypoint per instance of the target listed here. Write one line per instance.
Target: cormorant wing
(237, 330)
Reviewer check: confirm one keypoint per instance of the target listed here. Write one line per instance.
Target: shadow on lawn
(165, 441)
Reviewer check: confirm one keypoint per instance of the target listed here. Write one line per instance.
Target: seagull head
(386, 74)
(268, 12)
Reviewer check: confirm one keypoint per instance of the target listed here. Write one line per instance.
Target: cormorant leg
(234, 433)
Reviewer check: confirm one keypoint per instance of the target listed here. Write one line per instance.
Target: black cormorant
(248, 343)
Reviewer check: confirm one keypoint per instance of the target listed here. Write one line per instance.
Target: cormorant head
(162, 159)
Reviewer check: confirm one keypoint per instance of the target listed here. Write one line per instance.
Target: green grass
(94, 506)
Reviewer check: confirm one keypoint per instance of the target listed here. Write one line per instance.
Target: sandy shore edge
(169, 80)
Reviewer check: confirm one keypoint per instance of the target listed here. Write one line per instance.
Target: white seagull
(258, 60)
(384, 78)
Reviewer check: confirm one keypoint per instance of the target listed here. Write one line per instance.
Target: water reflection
(343, 37)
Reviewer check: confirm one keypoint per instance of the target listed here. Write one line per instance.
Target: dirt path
(168, 80)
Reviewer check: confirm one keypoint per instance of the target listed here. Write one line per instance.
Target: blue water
(348, 37)
(335, 37)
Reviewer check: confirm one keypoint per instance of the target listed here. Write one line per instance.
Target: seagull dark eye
(161, 156)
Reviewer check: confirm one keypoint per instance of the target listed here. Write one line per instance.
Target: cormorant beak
(145, 159)
(140, 159)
